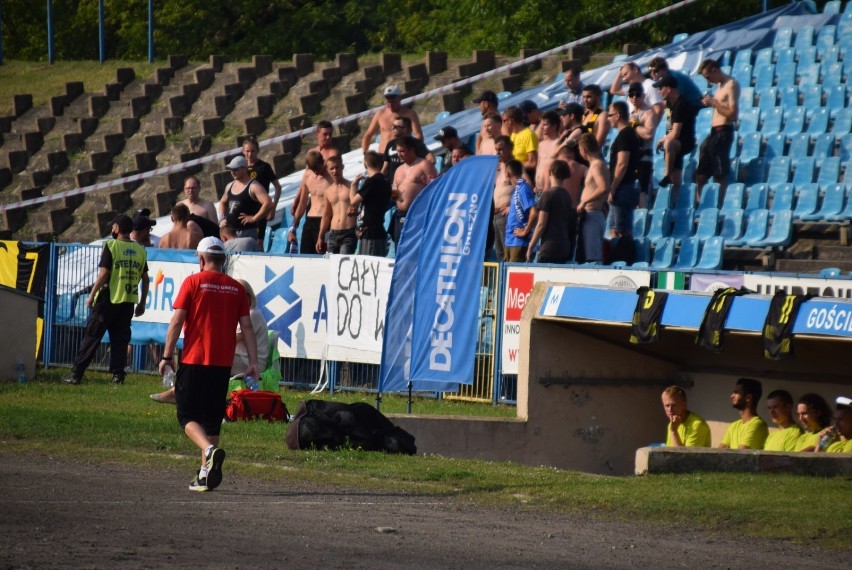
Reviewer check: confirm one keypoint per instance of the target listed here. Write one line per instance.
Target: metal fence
(76, 266)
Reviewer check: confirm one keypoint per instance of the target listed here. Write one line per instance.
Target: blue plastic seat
(782, 198)
(506, 94)
(742, 74)
(757, 224)
(794, 120)
(712, 254)
(829, 170)
(279, 240)
(811, 96)
(753, 171)
(708, 224)
(835, 96)
(642, 251)
(743, 57)
(749, 120)
(831, 7)
(687, 255)
(832, 73)
(789, 96)
(833, 198)
(780, 232)
(686, 195)
(775, 144)
(683, 220)
(768, 99)
(640, 222)
(783, 37)
(779, 170)
(758, 197)
(804, 37)
(746, 98)
(806, 72)
(846, 212)
(709, 196)
(828, 54)
(734, 196)
(663, 199)
(663, 253)
(842, 122)
(764, 56)
(703, 120)
(823, 145)
(803, 170)
(659, 225)
(800, 144)
(731, 227)
(830, 272)
(764, 76)
(701, 83)
(806, 55)
(751, 146)
(784, 57)
(818, 120)
(846, 147)
(772, 121)
(679, 37)
(807, 199)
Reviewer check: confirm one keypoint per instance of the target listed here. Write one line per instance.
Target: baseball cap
(125, 224)
(526, 106)
(210, 244)
(487, 96)
(392, 91)
(667, 81)
(237, 162)
(843, 401)
(636, 89)
(445, 133)
(142, 222)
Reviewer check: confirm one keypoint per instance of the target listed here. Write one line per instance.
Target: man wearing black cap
(142, 225)
(680, 133)
(112, 299)
(450, 140)
(402, 129)
(487, 107)
(532, 115)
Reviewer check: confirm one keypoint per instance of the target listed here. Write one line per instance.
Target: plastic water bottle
(251, 383)
(826, 439)
(21, 370)
(294, 247)
(168, 377)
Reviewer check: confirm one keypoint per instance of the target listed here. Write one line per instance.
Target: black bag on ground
(330, 425)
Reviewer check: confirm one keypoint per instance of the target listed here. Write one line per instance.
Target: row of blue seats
(799, 145)
(811, 97)
(758, 228)
(793, 120)
(784, 169)
(689, 254)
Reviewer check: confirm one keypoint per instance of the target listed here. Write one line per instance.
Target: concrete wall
(18, 333)
(651, 460)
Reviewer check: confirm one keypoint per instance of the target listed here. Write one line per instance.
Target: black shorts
(200, 392)
(341, 241)
(310, 234)
(714, 159)
(684, 150)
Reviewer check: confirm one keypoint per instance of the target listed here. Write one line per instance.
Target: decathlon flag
(431, 323)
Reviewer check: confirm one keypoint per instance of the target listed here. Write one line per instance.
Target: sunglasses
(635, 94)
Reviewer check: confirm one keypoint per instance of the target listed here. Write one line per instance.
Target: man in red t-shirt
(207, 308)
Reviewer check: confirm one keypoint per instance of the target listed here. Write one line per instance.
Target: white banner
(768, 284)
(358, 287)
(519, 285)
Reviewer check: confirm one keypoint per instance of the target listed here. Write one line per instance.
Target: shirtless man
(325, 146)
(574, 183)
(546, 150)
(629, 74)
(382, 122)
(410, 178)
(245, 201)
(503, 188)
(315, 181)
(715, 153)
(184, 234)
(644, 119)
(590, 208)
(196, 204)
(492, 124)
(487, 106)
(572, 123)
(336, 219)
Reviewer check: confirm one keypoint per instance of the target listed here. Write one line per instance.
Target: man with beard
(750, 431)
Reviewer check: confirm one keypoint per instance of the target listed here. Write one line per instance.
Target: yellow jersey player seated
(838, 438)
(750, 431)
(780, 406)
(686, 428)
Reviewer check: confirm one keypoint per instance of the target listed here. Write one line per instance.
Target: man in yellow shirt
(686, 428)
(841, 432)
(785, 438)
(524, 141)
(750, 431)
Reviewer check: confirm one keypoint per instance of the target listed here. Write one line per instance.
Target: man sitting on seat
(785, 438)
(750, 431)
(686, 428)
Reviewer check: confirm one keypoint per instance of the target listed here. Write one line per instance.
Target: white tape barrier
(348, 119)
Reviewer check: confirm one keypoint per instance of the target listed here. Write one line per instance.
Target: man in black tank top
(594, 119)
(260, 171)
(245, 202)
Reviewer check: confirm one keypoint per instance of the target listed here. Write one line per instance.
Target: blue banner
(431, 323)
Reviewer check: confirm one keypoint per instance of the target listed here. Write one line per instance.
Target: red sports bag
(248, 405)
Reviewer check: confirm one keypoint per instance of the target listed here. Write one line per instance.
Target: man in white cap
(382, 122)
(838, 438)
(245, 202)
(207, 308)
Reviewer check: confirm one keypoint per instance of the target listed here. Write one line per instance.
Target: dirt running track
(56, 513)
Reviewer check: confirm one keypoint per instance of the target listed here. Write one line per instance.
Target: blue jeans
(621, 210)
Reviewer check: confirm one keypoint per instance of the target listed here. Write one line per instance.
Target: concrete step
(833, 252)
(811, 265)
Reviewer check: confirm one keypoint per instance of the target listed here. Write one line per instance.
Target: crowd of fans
(808, 425)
